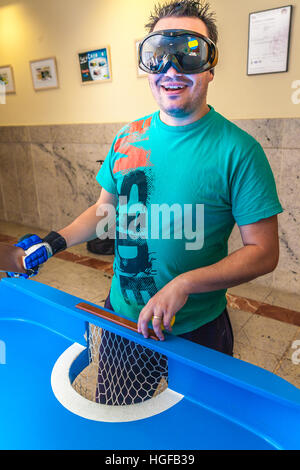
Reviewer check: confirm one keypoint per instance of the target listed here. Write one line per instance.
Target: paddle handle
(107, 315)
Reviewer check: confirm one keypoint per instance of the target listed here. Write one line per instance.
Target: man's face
(183, 104)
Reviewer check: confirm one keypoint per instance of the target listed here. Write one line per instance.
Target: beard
(181, 106)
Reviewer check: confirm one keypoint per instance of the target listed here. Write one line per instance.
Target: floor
(266, 324)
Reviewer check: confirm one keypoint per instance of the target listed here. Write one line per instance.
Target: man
(185, 155)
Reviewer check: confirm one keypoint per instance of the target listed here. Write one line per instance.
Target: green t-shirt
(209, 175)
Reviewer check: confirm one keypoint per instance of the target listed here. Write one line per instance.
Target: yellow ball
(172, 323)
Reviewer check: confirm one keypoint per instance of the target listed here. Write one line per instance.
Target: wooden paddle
(11, 258)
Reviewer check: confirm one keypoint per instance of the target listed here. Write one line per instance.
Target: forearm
(243, 265)
(91, 223)
(83, 228)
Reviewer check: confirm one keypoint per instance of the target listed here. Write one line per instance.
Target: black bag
(101, 247)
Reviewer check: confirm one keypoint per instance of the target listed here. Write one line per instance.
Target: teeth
(174, 87)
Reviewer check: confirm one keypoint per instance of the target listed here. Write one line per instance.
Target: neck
(184, 120)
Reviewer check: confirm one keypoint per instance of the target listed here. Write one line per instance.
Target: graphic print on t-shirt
(133, 256)
(135, 157)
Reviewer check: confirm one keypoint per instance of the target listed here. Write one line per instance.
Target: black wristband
(56, 242)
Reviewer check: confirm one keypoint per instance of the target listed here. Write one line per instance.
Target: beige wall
(237, 95)
(35, 29)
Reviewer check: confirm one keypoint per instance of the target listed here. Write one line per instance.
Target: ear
(211, 75)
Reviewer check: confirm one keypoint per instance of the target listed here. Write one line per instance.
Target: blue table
(218, 402)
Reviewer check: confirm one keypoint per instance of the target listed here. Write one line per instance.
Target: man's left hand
(162, 307)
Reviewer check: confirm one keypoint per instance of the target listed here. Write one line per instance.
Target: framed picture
(269, 41)
(7, 78)
(140, 73)
(44, 74)
(95, 66)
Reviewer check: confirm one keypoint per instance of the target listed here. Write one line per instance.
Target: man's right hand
(38, 251)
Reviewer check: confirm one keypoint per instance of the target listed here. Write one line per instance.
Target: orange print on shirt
(135, 157)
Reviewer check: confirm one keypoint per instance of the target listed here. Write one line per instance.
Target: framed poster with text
(95, 66)
(269, 39)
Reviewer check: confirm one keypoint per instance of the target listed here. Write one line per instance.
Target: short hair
(191, 8)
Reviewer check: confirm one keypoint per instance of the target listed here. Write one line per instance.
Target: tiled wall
(47, 173)
(280, 139)
(47, 176)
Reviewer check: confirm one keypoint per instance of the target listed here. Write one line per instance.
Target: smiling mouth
(173, 89)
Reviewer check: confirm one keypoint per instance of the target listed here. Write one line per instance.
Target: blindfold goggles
(188, 52)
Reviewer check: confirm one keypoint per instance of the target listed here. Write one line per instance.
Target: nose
(170, 65)
(172, 72)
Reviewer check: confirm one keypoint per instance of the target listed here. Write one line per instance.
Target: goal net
(120, 371)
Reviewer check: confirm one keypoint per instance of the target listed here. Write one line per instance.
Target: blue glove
(38, 251)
